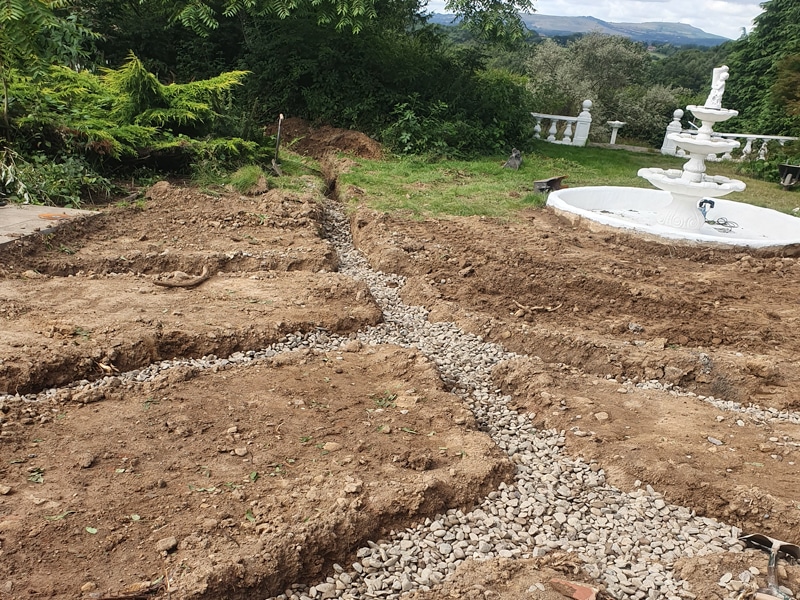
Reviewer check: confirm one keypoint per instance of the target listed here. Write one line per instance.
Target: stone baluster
(748, 149)
(567, 139)
(762, 152)
(553, 130)
(537, 129)
(583, 124)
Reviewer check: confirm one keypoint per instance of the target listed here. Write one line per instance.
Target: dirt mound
(303, 138)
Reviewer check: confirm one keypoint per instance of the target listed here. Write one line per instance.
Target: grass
(247, 178)
(423, 188)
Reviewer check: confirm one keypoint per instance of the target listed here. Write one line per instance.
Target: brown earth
(237, 481)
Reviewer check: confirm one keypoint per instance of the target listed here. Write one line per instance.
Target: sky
(722, 17)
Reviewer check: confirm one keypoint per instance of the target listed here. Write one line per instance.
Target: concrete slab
(20, 220)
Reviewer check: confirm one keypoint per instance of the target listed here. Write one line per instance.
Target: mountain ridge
(678, 34)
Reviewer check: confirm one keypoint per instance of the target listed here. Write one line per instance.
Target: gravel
(628, 541)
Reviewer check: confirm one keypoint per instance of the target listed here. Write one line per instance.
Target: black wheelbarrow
(789, 174)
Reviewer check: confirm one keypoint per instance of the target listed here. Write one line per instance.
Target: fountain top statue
(719, 76)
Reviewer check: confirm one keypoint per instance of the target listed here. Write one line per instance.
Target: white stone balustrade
(572, 131)
(750, 142)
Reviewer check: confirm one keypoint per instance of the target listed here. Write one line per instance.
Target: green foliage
(12, 184)
(786, 89)
(439, 101)
(755, 66)
(767, 170)
(40, 180)
(143, 100)
(71, 124)
(22, 26)
(425, 130)
(489, 114)
(572, 72)
(64, 183)
(492, 20)
(646, 110)
(31, 36)
(689, 68)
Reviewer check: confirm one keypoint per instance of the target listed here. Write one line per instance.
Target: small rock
(570, 589)
(89, 395)
(241, 451)
(167, 544)
(353, 487)
(714, 441)
(331, 446)
(352, 346)
(209, 524)
(5, 489)
(601, 416)
(86, 460)
(89, 586)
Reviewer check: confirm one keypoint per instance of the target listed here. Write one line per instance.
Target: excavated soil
(237, 481)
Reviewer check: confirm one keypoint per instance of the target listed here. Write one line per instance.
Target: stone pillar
(582, 125)
(669, 146)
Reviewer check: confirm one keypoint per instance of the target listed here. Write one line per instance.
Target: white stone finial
(720, 75)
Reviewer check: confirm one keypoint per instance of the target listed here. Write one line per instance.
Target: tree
(594, 67)
(31, 35)
(689, 67)
(755, 66)
(786, 89)
(611, 71)
(492, 19)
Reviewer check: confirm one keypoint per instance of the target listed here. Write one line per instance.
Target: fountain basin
(639, 210)
(712, 115)
(694, 144)
(709, 186)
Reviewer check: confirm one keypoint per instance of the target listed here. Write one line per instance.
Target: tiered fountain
(686, 208)
(689, 185)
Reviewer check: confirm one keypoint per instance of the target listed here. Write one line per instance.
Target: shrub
(63, 182)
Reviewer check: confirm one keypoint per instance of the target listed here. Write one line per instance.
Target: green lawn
(422, 187)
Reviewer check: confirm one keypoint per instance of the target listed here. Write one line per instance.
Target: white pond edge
(637, 209)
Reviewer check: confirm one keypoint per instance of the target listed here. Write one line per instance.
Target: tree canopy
(759, 62)
(494, 19)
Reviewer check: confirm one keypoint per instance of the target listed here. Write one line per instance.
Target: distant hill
(677, 34)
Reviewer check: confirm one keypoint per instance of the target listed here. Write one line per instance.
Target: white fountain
(686, 208)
